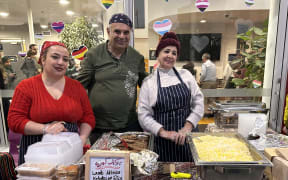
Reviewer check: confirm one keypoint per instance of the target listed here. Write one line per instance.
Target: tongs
(124, 143)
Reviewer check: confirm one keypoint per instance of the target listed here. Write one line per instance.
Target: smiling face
(55, 61)
(167, 57)
(119, 35)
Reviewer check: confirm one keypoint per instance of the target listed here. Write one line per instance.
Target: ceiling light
(11, 40)
(70, 13)
(64, 2)
(4, 14)
(203, 21)
(95, 25)
(43, 26)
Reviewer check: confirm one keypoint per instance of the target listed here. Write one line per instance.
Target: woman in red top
(50, 102)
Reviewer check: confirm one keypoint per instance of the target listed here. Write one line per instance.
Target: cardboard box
(279, 171)
(270, 153)
(283, 153)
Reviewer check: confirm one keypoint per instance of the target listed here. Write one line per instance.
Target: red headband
(48, 44)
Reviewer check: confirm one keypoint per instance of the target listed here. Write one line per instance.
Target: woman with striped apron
(171, 110)
(175, 109)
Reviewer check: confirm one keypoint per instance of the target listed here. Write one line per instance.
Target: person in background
(228, 76)
(208, 73)
(29, 66)
(111, 73)
(10, 74)
(170, 103)
(72, 70)
(208, 80)
(33, 48)
(50, 102)
(190, 67)
(285, 127)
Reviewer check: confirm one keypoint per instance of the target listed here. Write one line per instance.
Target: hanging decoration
(22, 53)
(256, 84)
(249, 2)
(202, 5)
(79, 53)
(107, 3)
(58, 26)
(161, 27)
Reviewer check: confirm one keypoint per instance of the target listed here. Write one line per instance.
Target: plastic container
(39, 170)
(61, 149)
(226, 113)
(246, 122)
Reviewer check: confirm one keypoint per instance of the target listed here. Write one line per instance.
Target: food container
(227, 170)
(131, 141)
(226, 113)
(71, 172)
(32, 169)
(61, 149)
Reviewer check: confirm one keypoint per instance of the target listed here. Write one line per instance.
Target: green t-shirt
(112, 85)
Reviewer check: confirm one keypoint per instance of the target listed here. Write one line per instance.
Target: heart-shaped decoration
(79, 53)
(256, 83)
(202, 5)
(249, 2)
(58, 26)
(161, 27)
(22, 54)
(199, 42)
(107, 3)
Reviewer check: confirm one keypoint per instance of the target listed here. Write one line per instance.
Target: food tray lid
(36, 168)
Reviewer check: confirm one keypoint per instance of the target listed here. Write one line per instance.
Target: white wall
(22, 32)
(157, 9)
(160, 8)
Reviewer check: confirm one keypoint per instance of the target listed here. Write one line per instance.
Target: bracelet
(44, 129)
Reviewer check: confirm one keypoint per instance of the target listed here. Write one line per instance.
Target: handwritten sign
(107, 165)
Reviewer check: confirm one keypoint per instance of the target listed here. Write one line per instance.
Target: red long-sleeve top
(32, 102)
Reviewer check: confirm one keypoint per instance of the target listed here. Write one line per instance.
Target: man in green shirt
(111, 73)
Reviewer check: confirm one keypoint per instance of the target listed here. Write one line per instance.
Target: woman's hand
(55, 127)
(170, 135)
(83, 139)
(183, 132)
(285, 130)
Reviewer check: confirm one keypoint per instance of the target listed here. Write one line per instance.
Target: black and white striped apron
(171, 110)
(27, 140)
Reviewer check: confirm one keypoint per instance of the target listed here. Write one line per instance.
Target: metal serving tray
(238, 107)
(260, 159)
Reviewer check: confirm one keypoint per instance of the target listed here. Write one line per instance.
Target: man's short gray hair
(206, 56)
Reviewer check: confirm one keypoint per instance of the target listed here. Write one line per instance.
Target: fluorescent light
(64, 2)
(203, 21)
(43, 26)
(95, 25)
(11, 40)
(70, 13)
(4, 14)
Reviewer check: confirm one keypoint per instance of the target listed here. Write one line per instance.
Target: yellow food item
(217, 148)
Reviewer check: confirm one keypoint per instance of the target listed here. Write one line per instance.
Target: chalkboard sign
(107, 165)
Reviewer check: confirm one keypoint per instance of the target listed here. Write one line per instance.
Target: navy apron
(171, 110)
(27, 140)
